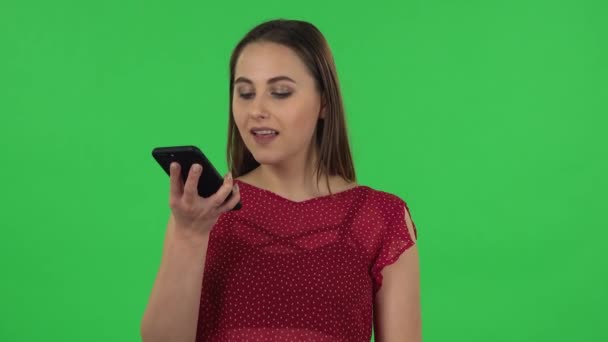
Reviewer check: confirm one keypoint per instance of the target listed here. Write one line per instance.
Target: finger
(236, 197)
(191, 186)
(218, 198)
(176, 184)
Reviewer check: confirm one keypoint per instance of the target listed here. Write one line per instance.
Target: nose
(256, 108)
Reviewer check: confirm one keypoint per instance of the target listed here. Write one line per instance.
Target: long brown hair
(334, 155)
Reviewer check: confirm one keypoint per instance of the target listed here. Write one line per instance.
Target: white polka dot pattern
(280, 270)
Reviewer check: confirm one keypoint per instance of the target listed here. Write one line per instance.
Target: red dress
(280, 270)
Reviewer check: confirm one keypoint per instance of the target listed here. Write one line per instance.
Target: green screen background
(487, 117)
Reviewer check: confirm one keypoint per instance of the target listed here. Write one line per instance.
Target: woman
(311, 255)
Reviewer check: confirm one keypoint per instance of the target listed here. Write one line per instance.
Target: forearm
(173, 307)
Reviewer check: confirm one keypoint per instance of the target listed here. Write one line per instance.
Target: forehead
(261, 61)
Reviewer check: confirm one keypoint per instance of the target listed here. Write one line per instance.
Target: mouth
(264, 136)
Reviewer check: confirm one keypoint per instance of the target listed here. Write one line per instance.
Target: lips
(264, 139)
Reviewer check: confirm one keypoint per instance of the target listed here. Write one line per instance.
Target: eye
(282, 95)
(278, 95)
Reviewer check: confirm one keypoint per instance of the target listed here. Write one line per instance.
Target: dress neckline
(313, 199)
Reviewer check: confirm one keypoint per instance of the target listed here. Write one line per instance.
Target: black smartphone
(210, 180)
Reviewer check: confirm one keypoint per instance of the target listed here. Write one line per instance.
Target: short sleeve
(395, 239)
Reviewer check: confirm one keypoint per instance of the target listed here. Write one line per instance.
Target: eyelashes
(277, 95)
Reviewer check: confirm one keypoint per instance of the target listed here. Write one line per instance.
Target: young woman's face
(290, 107)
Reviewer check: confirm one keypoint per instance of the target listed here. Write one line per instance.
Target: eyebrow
(270, 80)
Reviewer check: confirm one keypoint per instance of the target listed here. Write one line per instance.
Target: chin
(265, 158)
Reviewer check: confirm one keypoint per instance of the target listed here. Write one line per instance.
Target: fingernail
(230, 175)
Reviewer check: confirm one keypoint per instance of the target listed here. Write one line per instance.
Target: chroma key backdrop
(487, 117)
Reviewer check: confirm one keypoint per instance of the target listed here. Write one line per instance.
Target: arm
(397, 313)
(173, 307)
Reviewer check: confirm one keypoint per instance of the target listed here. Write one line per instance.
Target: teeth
(265, 132)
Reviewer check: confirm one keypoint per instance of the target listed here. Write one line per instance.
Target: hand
(194, 215)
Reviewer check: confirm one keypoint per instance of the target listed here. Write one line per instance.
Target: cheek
(241, 130)
(301, 128)
(306, 120)
(239, 117)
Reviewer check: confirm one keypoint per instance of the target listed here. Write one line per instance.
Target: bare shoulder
(339, 184)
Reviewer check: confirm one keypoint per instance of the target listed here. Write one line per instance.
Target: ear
(323, 110)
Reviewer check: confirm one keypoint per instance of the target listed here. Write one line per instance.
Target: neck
(294, 178)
